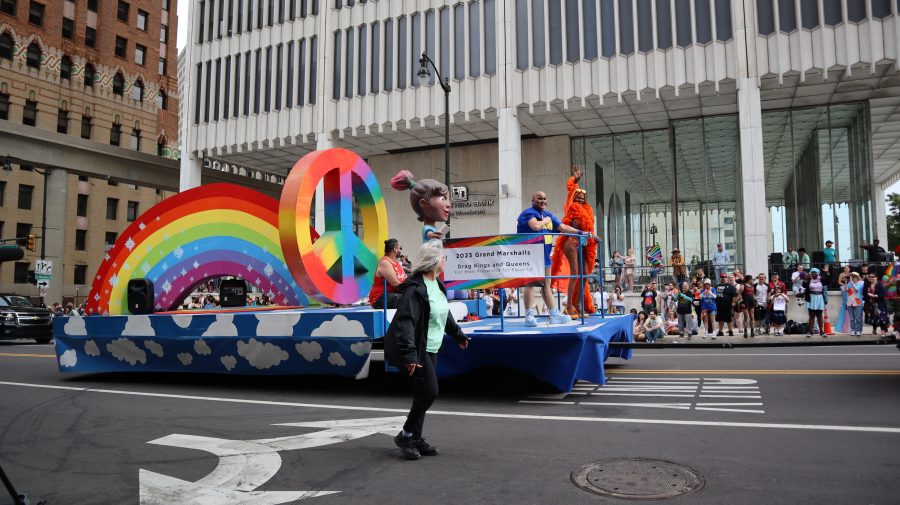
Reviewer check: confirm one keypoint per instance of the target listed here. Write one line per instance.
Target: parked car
(20, 319)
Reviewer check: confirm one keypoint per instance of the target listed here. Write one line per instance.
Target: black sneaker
(425, 449)
(407, 446)
(720, 334)
(730, 333)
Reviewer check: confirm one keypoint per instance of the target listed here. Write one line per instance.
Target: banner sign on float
(506, 261)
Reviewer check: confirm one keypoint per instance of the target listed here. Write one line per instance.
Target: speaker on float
(140, 296)
(233, 293)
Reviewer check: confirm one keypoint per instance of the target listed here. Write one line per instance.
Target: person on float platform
(389, 269)
(537, 219)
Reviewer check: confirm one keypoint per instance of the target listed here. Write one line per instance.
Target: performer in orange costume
(579, 215)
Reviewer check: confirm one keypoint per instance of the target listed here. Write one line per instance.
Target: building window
(376, 46)
(237, 85)
(68, 28)
(20, 276)
(110, 239)
(90, 36)
(121, 46)
(122, 13)
(33, 56)
(362, 62)
(2, 201)
(29, 114)
(81, 206)
(8, 7)
(289, 85)
(164, 34)
(313, 62)
(92, 5)
(227, 93)
(115, 132)
(132, 211)
(140, 53)
(80, 240)
(197, 93)
(256, 96)
(268, 91)
(279, 73)
(142, 18)
(89, 75)
(135, 139)
(22, 232)
(86, 127)
(112, 209)
(65, 68)
(161, 147)
(36, 13)
(118, 84)
(4, 106)
(80, 274)
(165, 5)
(336, 69)
(6, 46)
(388, 83)
(475, 39)
(25, 196)
(62, 122)
(161, 100)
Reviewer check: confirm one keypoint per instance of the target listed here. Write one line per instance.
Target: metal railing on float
(582, 277)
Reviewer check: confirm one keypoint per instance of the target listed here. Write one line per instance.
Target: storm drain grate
(640, 479)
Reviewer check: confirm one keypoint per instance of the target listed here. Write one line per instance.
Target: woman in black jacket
(414, 338)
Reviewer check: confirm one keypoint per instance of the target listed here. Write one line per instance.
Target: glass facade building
(683, 182)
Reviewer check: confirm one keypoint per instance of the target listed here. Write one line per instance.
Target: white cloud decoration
(75, 326)
(91, 349)
(139, 326)
(361, 348)
(68, 359)
(185, 358)
(201, 347)
(340, 326)
(229, 362)
(154, 347)
(336, 359)
(261, 355)
(125, 350)
(183, 321)
(222, 327)
(311, 351)
(276, 325)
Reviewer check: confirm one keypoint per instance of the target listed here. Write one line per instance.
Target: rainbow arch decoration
(209, 231)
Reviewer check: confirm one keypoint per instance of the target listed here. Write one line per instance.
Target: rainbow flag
(888, 280)
(654, 256)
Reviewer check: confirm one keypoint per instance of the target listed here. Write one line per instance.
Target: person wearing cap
(829, 253)
(708, 308)
(676, 261)
(815, 294)
(721, 259)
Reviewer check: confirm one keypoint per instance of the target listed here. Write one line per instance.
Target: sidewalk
(763, 340)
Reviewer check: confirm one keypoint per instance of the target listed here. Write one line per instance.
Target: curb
(732, 345)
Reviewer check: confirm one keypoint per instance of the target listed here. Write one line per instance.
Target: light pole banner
(505, 261)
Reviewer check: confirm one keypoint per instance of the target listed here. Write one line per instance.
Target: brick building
(89, 108)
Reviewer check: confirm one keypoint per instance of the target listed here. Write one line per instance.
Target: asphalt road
(785, 425)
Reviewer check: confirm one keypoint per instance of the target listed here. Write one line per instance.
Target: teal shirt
(829, 255)
(437, 319)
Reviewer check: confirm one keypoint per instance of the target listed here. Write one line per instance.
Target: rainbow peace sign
(339, 267)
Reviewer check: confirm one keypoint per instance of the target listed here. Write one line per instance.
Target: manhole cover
(642, 479)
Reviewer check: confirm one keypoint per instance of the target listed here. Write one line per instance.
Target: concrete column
(56, 189)
(753, 190)
(190, 167)
(880, 211)
(323, 141)
(509, 179)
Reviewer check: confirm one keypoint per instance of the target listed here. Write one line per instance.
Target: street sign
(42, 290)
(43, 269)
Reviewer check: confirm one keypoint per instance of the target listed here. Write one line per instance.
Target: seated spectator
(653, 327)
(672, 324)
(640, 318)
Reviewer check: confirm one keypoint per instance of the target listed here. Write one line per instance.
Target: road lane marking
(490, 415)
(22, 355)
(758, 372)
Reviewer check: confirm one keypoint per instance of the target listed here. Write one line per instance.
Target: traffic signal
(30, 244)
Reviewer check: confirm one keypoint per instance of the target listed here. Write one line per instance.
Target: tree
(893, 220)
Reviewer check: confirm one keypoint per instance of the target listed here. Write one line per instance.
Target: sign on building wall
(474, 199)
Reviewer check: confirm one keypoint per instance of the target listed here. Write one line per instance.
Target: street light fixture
(424, 75)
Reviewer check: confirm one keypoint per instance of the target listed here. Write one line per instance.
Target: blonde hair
(428, 257)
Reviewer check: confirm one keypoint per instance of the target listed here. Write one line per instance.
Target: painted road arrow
(245, 465)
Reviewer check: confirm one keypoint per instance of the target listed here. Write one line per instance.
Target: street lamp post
(424, 75)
